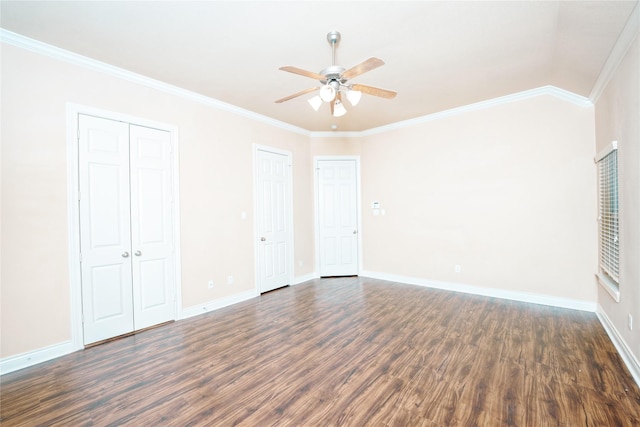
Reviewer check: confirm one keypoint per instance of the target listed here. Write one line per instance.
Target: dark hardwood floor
(351, 352)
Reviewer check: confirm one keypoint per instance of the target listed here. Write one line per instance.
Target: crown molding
(337, 134)
(92, 64)
(565, 95)
(36, 46)
(617, 54)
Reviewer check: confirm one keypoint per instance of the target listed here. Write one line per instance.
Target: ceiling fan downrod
(333, 72)
(333, 37)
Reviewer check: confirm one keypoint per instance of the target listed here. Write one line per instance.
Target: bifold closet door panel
(105, 228)
(151, 226)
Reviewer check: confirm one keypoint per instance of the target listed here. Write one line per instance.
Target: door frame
(289, 209)
(316, 207)
(73, 209)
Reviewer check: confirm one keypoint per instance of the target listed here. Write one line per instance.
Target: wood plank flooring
(345, 351)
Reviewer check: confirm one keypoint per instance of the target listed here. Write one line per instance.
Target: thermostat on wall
(375, 205)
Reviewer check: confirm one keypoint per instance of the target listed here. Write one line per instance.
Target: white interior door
(151, 226)
(273, 218)
(126, 227)
(105, 229)
(337, 217)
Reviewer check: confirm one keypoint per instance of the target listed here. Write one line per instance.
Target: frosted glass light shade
(338, 109)
(327, 93)
(354, 97)
(315, 102)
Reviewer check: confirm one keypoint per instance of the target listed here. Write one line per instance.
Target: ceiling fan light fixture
(333, 82)
(327, 93)
(338, 109)
(315, 102)
(354, 97)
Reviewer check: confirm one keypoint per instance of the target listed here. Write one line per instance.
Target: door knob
(138, 253)
(125, 254)
(262, 239)
(355, 231)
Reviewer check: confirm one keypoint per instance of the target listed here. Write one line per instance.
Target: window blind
(608, 218)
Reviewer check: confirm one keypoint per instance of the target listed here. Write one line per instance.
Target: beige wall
(507, 192)
(617, 119)
(216, 185)
(336, 146)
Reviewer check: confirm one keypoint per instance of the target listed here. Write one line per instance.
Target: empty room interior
(320, 213)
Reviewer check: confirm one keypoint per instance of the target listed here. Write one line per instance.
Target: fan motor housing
(333, 72)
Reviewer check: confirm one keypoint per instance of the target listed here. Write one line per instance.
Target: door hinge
(80, 256)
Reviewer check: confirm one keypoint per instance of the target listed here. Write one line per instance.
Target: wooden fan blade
(376, 91)
(300, 71)
(362, 68)
(295, 95)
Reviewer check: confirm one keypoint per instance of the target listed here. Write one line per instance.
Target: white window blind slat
(608, 218)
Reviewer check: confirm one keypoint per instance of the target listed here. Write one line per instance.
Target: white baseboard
(25, 360)
(488, 292)
(623, 349)
(31, 358)
(234, 299)
(217, 304)
(301, 279)
(20, 361)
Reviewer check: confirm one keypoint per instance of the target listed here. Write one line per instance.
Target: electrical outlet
(229, 280)
(210, 284)
(630, 322)
(457, 268)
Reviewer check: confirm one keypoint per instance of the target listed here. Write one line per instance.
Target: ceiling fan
(334, 82)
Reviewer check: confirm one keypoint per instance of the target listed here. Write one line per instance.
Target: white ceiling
(439, 54)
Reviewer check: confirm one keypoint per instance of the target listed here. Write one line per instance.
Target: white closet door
(151, 226)
(338, 217)
(105, 231)
(126, 227)
(274, 220)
